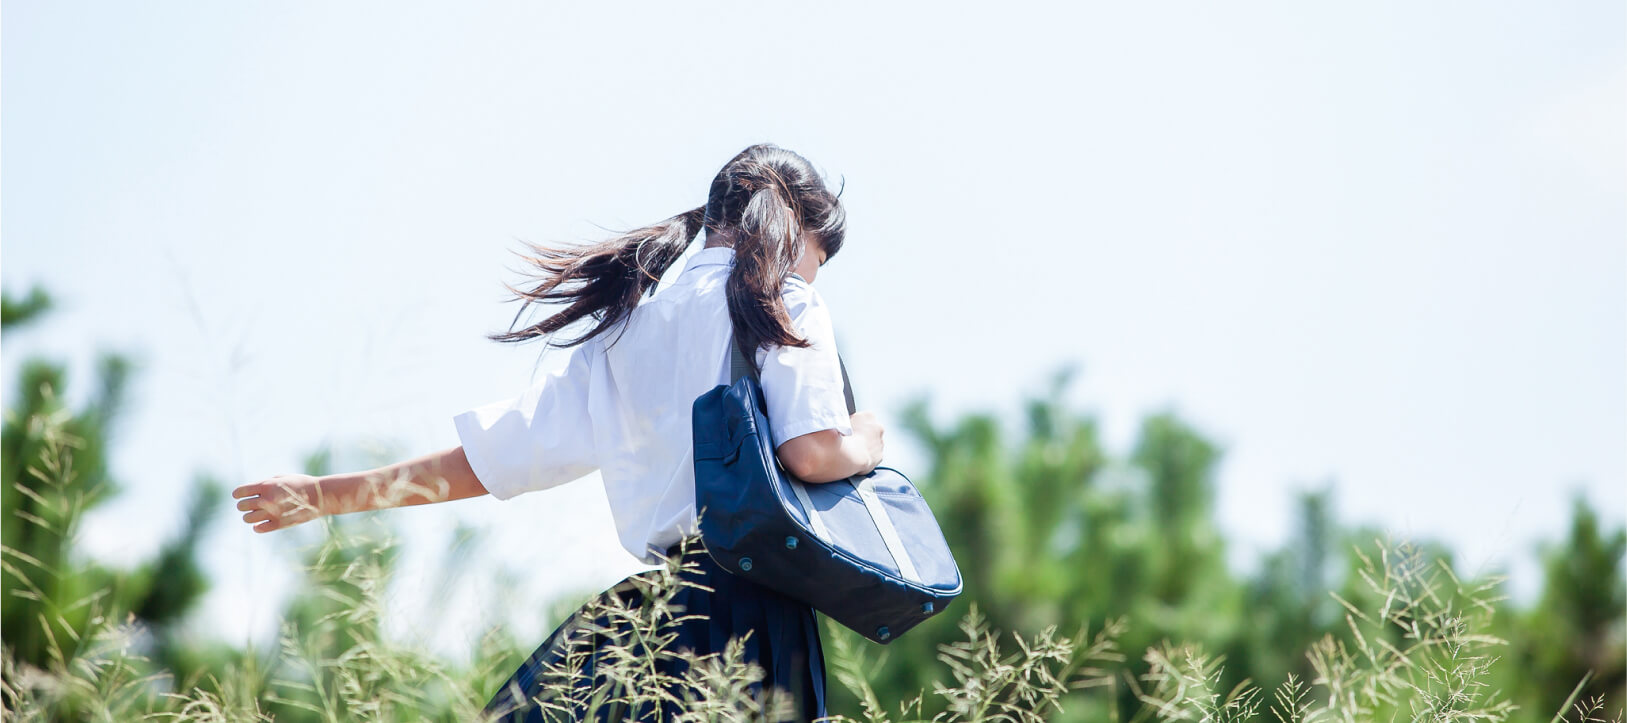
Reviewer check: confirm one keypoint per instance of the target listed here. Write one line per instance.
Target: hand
(282, 501)
(868, 429)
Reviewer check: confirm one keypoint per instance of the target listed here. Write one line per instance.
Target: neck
(717, 240)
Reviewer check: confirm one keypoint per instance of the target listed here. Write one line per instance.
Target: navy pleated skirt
(783, 639)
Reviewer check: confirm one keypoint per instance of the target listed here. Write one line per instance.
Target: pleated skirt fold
(779, 634)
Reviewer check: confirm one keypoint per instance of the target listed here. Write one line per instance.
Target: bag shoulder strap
(739, 367)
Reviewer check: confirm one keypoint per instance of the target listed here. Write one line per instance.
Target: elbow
(813, 458)
(804, 467)
(800, 469)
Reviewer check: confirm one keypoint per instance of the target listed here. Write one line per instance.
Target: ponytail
(604, 280)
(774, 204)
(767, 202)
(766, 248)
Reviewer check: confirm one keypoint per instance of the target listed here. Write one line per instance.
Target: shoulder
(583, 359)
(801, 297)
(808, 312)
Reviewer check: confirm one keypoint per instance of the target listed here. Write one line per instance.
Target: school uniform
(621, 406)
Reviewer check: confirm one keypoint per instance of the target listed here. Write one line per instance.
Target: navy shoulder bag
(865, 551)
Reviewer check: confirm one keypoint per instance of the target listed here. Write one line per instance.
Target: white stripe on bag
(884, 525)
(813, 514)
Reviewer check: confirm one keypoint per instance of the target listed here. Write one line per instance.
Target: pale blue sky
(1378, 243)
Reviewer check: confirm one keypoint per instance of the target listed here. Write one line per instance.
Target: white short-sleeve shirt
(622, 404)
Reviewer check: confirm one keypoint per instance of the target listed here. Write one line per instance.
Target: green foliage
(1053, 532)
(1577, 628)
(18, 312)
(1050, 528)
(54, 471)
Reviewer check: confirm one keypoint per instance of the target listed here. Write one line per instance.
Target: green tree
(1050, 529)
(1577, 627)
(1287, 604)
(54, 466)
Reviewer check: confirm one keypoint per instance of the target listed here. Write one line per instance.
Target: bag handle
(739, 367)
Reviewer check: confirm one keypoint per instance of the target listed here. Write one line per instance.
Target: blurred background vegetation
(1049, 527)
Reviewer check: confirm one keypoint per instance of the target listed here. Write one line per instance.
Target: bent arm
(826, 456)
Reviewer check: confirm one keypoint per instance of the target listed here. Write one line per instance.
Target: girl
(622, 406)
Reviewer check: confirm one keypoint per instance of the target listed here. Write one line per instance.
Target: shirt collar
(719, 256)
(714, 256)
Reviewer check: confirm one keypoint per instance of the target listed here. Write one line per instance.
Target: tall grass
(1415, 648)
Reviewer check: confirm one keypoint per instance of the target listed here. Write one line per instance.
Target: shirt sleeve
(540, 439)
(803, 385)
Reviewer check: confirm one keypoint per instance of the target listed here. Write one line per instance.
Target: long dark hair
(767, 203)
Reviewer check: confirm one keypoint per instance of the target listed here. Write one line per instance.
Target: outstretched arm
(287, 500)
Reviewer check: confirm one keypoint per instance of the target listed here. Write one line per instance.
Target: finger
(253, 503)
(247, 490)
(257, 516)
(267, 526)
